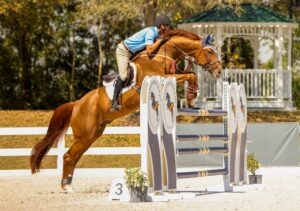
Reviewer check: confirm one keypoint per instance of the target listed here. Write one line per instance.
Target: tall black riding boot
(118, 87)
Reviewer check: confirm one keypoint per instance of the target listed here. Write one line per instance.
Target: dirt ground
(21, 191)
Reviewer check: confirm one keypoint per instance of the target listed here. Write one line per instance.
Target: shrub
(135, 179)
(252, 163)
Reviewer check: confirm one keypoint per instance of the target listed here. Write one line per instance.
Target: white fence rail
(61, 148)
(259, 83)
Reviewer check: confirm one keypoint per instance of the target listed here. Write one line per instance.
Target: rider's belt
(126, 48)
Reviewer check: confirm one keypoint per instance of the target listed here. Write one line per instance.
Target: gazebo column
(219, 44)
(290, 63)
(255, 49)
(275, 53)
(279, 64)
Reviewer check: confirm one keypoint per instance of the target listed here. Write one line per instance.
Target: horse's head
(202, 49)
(208, 57)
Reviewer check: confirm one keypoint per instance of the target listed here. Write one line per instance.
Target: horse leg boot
(118, 87)
(71, 157)
(67, 177)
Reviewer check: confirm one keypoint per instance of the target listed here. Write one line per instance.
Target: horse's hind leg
(71, 157)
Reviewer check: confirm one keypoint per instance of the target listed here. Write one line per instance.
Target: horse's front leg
(189, 77)
(192, 90)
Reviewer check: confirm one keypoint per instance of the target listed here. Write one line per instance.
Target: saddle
(129, 80)
(130, 83)
(130, 72)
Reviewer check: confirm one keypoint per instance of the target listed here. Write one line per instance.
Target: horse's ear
(210, 40)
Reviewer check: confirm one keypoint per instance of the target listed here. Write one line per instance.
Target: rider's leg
(118, 87)
(122, 55)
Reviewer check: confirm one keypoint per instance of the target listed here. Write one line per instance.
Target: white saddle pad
(110, 87)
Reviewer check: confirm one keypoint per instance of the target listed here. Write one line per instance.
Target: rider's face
(163, 28)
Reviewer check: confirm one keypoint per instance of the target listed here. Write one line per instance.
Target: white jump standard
(150, 121)
(159, 152)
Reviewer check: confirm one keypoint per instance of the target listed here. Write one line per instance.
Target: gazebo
(265, 88)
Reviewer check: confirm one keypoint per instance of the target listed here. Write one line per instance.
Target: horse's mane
(181, 33)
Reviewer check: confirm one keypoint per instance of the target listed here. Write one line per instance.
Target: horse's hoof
(116, 108)
(68, 189)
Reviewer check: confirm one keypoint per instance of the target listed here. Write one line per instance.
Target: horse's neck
(182, 46)
(169, 51)
(162, 52)
(157, 63)
(148, 66)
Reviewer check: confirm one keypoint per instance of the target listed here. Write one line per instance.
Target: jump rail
(201, 112)
(204, 173)
(202, 138)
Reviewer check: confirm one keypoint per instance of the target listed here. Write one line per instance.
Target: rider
(140, 40)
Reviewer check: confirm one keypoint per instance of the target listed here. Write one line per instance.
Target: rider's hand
(152, 48)
(165, 39)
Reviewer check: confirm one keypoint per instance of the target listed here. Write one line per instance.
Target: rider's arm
(152, 48)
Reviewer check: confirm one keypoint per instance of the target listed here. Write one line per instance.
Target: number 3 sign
(119, 191)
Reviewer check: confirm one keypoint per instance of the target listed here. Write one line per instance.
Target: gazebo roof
(249, 13)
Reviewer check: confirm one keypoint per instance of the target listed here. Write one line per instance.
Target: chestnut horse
(89, 115)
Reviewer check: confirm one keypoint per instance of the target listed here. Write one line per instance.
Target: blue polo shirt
(139, 40)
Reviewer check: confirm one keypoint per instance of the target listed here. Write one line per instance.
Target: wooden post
(219, 51)
(289, 64)
(255, 47)
(279, 66)
(60, 154)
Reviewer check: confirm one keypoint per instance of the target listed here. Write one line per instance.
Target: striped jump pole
(203, 173)
(202, 150)
(202, 138)
(201, 112)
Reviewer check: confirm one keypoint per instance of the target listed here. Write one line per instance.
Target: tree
(22, 23)
(176, 9)
(106, 15)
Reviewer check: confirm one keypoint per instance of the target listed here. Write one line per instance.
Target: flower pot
(137, 195)
(255, 179)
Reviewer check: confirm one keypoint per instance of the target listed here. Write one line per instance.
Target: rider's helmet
(162, 20)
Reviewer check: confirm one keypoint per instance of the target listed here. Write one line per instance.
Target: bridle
(206, 67)
(209, 66)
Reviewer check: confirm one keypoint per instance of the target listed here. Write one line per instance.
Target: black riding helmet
(162, 20)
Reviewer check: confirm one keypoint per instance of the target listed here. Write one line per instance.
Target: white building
(266, 88)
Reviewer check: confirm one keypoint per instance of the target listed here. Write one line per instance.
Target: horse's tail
(58, 126)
